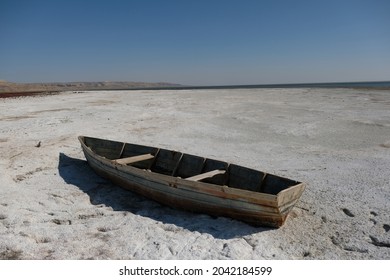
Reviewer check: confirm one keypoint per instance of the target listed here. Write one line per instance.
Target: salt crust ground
(52, 206)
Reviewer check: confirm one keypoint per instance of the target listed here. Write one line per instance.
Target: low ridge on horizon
(10, 87)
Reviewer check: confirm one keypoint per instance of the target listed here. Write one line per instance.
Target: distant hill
(9, 87)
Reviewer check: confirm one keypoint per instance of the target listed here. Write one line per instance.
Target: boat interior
(189, 167)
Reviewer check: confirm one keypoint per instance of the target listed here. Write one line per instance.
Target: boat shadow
(102, 192)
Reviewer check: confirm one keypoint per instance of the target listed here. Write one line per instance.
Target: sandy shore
(52, 205)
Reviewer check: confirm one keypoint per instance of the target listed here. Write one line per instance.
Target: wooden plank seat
(205, 175)
(133, 159)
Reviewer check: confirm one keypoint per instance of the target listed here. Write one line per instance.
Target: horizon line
(215, 85)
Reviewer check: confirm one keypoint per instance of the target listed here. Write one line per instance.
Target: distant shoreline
(382, 85)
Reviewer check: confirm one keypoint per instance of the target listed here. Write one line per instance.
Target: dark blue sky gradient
(195, 42)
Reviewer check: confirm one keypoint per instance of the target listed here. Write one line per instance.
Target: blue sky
(195, 42)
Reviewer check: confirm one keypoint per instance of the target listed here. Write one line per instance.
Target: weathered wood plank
(205, 175)
(133, 159)
(291, 193)
(166, 161)
(177, 165)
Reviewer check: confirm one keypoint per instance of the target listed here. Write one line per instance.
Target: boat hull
(253, 208)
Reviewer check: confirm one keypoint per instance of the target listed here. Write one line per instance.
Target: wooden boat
(194, 183)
